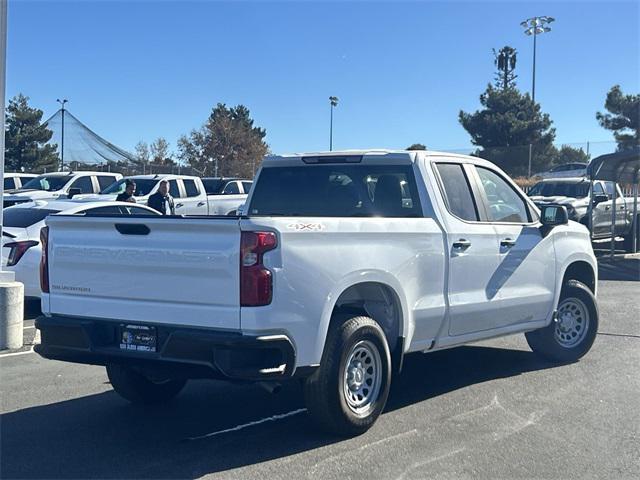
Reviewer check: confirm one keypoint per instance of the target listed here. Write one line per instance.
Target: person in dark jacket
(129, 190)
(161, 200)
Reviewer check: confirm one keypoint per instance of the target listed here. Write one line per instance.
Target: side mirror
(73, 192)
(554, 215)
(599, 199)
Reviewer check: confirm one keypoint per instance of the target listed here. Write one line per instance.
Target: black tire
(554, 342)
(138, 389)
(628, 239)
(324, 390)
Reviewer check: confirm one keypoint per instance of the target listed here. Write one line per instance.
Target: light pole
(535, 26)
(334, 103)
(62, 102)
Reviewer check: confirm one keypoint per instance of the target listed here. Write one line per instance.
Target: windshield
(143, 187)
(563, 189)
(49, 183)
(25, 217)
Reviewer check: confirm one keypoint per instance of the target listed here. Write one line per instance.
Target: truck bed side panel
(318, 258)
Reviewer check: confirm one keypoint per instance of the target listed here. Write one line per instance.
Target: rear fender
(354, 278)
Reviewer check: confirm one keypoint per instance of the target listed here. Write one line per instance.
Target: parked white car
(342, 263)
(21, 247)
(189, 193)
(566, 170)
(14, 181)
(60, 185)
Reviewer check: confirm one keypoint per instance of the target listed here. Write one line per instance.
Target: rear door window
(191, 188)
(336, 191)
(457, 191)
(9, 184)
(84, 184)
(104, 181)
(246, 186)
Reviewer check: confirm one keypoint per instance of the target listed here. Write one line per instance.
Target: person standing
(162, 201)
(129, 191)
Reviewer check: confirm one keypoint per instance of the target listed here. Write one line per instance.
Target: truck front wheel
(350, 389)
(571, 336)
(137, 388)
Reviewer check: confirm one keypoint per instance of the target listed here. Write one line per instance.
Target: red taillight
(18, 249)
(255, 278)
(44, 260)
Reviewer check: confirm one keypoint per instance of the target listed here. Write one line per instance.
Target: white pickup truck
(189, 193)
(341, 264)
(59, 186)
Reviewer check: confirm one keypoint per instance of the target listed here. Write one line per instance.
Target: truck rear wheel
(138, 389)
(571, 336)
(349, 391)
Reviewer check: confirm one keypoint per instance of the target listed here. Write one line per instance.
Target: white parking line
(250, 424)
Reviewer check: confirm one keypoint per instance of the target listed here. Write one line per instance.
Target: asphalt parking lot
(491, 410)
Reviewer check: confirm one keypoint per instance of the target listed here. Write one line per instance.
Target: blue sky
(402, 71)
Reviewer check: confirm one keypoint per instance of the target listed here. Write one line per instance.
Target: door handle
(132, 228)
(200, 204)
(461, 244)
(507, 242)
(179, 205)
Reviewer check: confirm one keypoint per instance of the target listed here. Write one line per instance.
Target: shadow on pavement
(102, 436)
(619, 268)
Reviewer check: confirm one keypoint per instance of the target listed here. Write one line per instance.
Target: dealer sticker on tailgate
(138, 337)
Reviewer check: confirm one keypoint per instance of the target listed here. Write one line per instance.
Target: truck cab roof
(367, 156)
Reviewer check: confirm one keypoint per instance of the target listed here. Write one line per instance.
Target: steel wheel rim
(362, 377)
(573, 322)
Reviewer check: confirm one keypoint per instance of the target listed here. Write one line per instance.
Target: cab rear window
(336, 191)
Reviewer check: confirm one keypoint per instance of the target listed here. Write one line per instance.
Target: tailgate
(180, 271)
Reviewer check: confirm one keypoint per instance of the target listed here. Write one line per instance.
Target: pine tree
(26, 138)
(623, 119)
(228, 143)
(505, 127)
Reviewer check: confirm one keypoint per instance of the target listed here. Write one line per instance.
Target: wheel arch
(373, 294)
(583, 272)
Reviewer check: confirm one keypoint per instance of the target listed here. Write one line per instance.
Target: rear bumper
(182, 351)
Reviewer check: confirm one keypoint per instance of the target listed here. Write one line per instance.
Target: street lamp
(334, 103)
(62, 102)
(535, 26)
